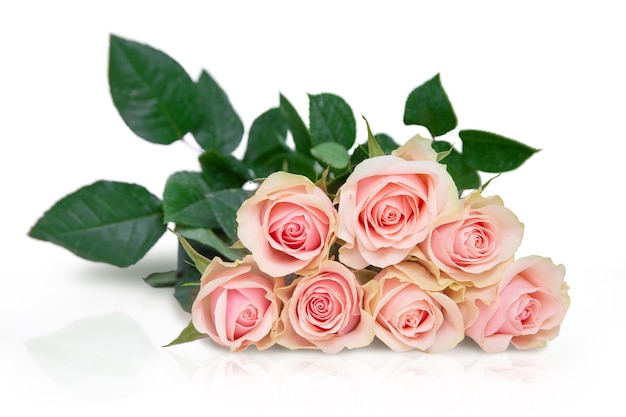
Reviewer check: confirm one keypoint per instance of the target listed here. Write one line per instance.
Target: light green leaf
(373, 147)
(188, 334)
(111, 222)
(331, 153)
(161, 279)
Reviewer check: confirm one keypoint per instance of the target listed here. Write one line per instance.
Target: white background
(86, 338)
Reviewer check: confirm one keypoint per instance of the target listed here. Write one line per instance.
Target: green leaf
(331, 120)
(267, 137)
(219, 127)
(185, 200)
(293, 162)
(331, 153)
(187, 288)
(489, 152)
(209, 238)
(428, 105)
(223, 171)
(299, 132)
(153, 94)
(188, 334)
(373, 147)
(385, 142)
(111, 222)
(161, 279)
(224, 205)
(188, 201)
(200, 261)
(465, 177)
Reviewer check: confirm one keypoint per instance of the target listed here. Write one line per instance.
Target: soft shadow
(98, 358)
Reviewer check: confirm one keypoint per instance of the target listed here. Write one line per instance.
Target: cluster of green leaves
(117, 223)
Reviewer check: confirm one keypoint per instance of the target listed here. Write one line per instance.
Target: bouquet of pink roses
(395, 254)
(327, 244)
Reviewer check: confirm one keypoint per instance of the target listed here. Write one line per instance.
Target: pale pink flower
(324, 311)
(417, 148)
(411, 311)
(387, 206)
(235, 305)
(288, 225)
(468, 245)
(529, 306)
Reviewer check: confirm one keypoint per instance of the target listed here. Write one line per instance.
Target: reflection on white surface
(375, 378)
(110, 358)
(97, 358)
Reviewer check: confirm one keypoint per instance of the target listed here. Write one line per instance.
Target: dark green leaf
(331, 120)
(489, 152)
(161, 279)
(299, 132)
(198, 259)
(428, 105)
(111, 222)
(225, 204)
(267, 137)
(153, 94)
(186, 288)
(333, 185)
(465, 177)
(386, 143)
(219, 127)
(293, 162)
(223, 171)
(190, 202)
(185, 200)
(209, 238)
(359, 154)
(331, 153)
(188, 334)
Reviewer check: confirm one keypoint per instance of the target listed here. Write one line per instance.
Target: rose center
(528, 312)
(475, 241)
(292, 234)
(410, 322)
(248, 317)
(320, 307)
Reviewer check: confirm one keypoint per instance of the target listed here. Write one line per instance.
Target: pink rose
(468, 245)
(236, 305)
(530, 304)
(288, 225)
(386, 207)
(416, 149)
(324, 311)
(411, 311)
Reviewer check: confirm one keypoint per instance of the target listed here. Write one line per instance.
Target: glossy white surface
(86, 338)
